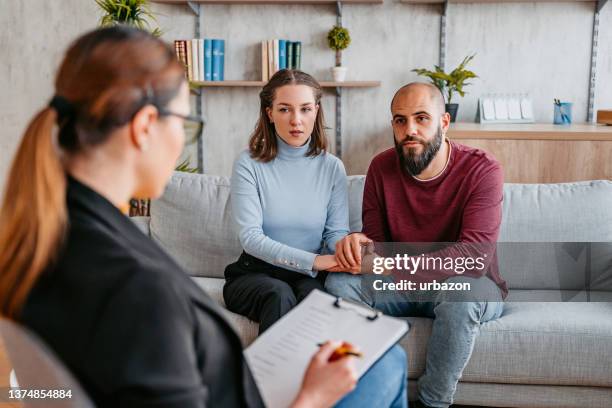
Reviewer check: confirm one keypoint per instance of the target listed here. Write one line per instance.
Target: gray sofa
(538, 354)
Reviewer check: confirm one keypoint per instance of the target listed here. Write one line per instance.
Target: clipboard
(280, 356)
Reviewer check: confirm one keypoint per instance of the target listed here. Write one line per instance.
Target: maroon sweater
(463, 204)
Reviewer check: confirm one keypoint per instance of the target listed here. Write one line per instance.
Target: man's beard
(416, 163)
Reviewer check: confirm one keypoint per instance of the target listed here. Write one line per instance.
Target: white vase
(339, 73)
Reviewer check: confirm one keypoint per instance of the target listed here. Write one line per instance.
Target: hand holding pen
(326, 381)
(344, 350)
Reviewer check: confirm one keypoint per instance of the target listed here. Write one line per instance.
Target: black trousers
(264, 292)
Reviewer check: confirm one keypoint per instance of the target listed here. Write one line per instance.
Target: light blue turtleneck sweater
(288, 209)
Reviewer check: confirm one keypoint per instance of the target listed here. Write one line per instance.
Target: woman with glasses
(117, 310)
(290, 201)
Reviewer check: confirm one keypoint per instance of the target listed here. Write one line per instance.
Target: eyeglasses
(193, 125)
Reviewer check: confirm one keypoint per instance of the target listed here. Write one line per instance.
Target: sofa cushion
(192, 221)
(142, 223)
(564, 212)
(355, 197)
(558, 219)
(533, 343)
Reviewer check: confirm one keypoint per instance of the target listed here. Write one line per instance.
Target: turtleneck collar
(286, 151)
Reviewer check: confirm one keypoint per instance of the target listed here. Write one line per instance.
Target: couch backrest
(193, 222)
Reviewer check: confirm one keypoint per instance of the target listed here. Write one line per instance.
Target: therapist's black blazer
(129, 323)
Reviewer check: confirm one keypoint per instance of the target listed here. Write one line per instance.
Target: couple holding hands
(290, 201)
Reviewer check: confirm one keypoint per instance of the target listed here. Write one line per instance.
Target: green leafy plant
(450, 83)
(338, 38)
(185, 166)
(136, 13)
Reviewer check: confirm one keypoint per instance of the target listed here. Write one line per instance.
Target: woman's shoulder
(332, 161)
(244, 166)
(245, 156)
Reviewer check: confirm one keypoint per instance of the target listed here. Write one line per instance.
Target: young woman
(117, 310)
(290, 201)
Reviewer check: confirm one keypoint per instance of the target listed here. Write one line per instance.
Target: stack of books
(279, 54)
(204, 59)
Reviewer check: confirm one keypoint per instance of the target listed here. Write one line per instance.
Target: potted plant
(131, 12)
(450, 83)
(338, 39)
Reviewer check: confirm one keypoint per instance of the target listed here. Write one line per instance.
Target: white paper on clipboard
(279, 357)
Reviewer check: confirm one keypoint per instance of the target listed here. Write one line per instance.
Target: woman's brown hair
(262, 144)
(106, 77)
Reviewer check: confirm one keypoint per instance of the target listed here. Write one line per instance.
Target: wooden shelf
(350, 84)
(269, 1)
(494, 1)
(530, 131)
(198, 84)
(345, 84)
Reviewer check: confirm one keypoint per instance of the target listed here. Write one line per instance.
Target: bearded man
(429, 189)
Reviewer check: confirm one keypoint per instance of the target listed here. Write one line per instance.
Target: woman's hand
(325, 383)
(348, 250)
(323, 262)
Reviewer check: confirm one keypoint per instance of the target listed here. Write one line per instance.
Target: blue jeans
(383, 385)
(455, 327)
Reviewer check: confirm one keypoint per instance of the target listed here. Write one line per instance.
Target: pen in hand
(345, 349)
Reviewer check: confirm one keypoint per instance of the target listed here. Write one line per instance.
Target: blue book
(222, 69)
(208, 60)
(218, 53)
(297, 55)
(282, 54)
(289, 51)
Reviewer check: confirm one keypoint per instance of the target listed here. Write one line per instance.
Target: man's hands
(348, 253)
(326, 382)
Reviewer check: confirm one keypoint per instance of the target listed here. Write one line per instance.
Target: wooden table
(543, 153)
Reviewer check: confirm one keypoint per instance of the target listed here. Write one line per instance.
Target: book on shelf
(270, 56)
(264, 61)
(201, 70)
(289, 52)
(279, 54)
(282, 54)
(195, 53)
(197, 57)
(297, 55)
(189, 61)
(276, 56)
(207, 59)
(181, 52)
(218, 55)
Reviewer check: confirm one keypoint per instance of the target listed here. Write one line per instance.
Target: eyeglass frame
(191, 118)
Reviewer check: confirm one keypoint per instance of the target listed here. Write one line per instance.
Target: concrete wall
(541, 48)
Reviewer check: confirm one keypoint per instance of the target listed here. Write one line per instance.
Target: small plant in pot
(450, 83)
(134, 13)
(338, 39)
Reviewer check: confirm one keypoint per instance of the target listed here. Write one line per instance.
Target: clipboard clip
(370, 315)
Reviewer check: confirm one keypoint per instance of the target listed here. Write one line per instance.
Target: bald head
(419, 91)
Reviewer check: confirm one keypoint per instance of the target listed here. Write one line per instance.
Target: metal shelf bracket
(195, 7)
